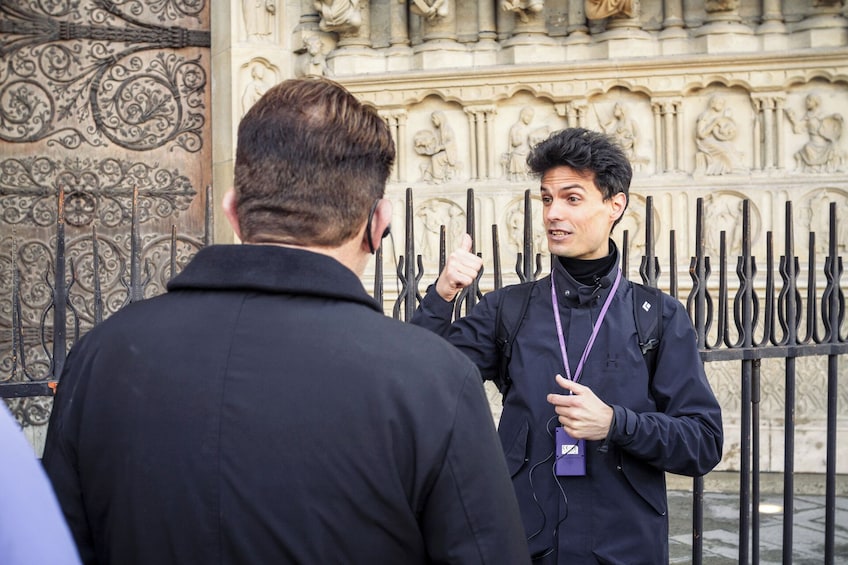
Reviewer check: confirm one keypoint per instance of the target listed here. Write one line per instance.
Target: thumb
(466, 243)
(568, 384)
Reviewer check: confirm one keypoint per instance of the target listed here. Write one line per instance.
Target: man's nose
(556, 211)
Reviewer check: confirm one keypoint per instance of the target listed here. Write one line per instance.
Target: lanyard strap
(595, 328)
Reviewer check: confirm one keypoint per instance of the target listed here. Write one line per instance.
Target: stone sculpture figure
(439, 146)
(433, 214)
(724, 214)
(338, 15)
(258, 18)
(255, 88)
(600, 9)
(625, 131)
(521, 138)
(714, 135)
(430, 9)
(523, 8)
(315, 63)
(711, 6)
(821, 153)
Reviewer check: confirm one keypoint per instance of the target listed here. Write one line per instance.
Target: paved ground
(721, 528)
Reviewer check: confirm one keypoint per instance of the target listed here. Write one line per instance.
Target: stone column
(770, 109)
(759, 132)
(578, 31)
(779, 104)
(823, 26)
(439, 47)
(764, 132)
(659, 139)
(723, 30)
(399, 31)
(574, 112)
(487, 25)
(673, 14)
(473, 151)
(396, 120)
(480, 141)
(773, 29)
(667, 128)
(673, 37)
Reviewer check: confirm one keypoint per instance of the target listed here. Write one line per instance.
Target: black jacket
(264, 410)
(668, 421)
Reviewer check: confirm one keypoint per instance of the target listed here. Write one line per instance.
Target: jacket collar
(271, 268)
(574, 293)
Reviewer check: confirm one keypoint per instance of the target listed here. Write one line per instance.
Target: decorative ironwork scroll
(71, 82)
(95, 190)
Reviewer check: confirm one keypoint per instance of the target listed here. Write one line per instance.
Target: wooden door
(104, 125)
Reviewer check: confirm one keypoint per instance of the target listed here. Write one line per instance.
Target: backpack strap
(647, 311)
(512, 308)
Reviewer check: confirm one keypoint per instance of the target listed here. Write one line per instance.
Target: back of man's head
(585, 151)
(311, 161)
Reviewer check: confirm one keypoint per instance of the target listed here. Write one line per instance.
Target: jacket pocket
(514, 443)
(647, 481)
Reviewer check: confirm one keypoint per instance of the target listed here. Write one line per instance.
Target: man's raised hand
(461, 269)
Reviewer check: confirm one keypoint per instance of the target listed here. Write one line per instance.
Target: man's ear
(618, 203)
(378, 225)
(229, 206)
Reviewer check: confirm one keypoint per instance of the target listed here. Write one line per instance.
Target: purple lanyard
(595, 328)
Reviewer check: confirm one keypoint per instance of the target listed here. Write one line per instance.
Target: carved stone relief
(523, 9)
(430, 9)
(313, 62)
(430, 215)
(815, 217)
(715, 139)
(723, 212)
(438, 149)
(821, 153)
(617, 120)
(261, 79)
(259, 19)
(338, 15)
(600, 9)
(523, 135)
(514, 221)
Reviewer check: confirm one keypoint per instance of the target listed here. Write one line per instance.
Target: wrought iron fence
(769, 316)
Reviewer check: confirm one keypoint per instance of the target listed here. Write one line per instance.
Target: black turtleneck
(589, 271)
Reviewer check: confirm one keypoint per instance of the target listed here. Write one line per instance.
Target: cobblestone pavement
(721, 529)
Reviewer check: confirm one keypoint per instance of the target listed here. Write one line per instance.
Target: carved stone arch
(810, 75)
(696, 84)
(256, 76)
(633, 221)
(513, 221)
(430, 215)
(812, 214)
(723, 212)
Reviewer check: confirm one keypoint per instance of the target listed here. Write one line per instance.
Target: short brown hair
(311, 161)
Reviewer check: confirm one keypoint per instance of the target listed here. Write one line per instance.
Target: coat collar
(573, 292)
(271, 268)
